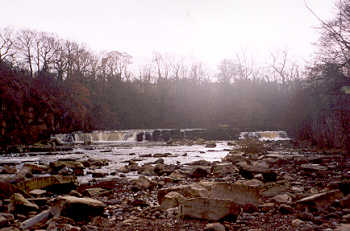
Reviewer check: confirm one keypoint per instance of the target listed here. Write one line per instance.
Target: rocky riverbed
(184, 185)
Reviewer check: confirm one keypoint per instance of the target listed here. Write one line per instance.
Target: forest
(51, 85)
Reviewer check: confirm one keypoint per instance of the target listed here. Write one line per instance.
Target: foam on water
(265, 135)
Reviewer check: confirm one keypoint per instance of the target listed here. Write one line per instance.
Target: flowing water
(121, 146)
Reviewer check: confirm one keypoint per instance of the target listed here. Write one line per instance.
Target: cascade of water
(265, 135)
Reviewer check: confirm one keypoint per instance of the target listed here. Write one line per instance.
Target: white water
(118, 136)
(265, 135)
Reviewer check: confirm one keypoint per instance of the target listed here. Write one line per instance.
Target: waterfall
(265, 135)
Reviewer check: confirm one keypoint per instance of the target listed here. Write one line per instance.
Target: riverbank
(194, 185)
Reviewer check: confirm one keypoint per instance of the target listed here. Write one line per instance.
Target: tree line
(61, 86)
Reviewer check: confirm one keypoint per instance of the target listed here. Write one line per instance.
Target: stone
(95, 163)
(171, 200)
(214, 227)
(8, 170)
(76, 166)
(159, 161)
(345, 202)
(238, 193)
(200, 163)
(209, 209)
(343, 227)
(223, 169)
(7, 189)
(319, 201)
(147, 170)
(286, 209)
(78, 208)
(266, 207)
(123, 169)
(249, 170)
(210, 145)
(19, 204)
(274, 188)
(44, 215)
(161, 155)
(178, 175)
(297, 189)
(94, 192)
(24, 173)
(142, 183)
(188, 191)
(99, 174)
(282, 198)
(36, 168)
(54, 183)
(11, 228)
(313, 167)
(68, 227)
(3, 221)
(38, 192)
(199, 172)
(297, 223)
(346, 218)
(6, 219)
(234, 157)
(255, 183)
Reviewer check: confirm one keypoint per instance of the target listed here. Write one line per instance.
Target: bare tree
(6, 44)
(116, 64)
(25, 40)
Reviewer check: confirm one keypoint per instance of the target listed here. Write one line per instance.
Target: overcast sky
(209, 30)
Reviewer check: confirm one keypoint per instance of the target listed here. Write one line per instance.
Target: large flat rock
(209, 209)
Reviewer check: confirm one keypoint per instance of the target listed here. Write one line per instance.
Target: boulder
(24, 173)
(10, 228)
(76, 166)
(345, 202)
(43, 216)
(258, 167)
(199, 172)
(19, 204)
(6, 219)
(297, 223)
(99, 174)
(52, 183)
(282, 198)
(38, 192)
(210, 144)
(36, 168)
(319, 201)
(77, 208)
(313, 167)
(147, 170)
(95, 163)
(171, 200)
(214, 227)
(161, 155)
(272, 189)
(200, 163)
(8, 170)
(240, 194)
(188, 191)
(223, 169)
(234, 157)
(142, 183)
(254, 183)
(209, 209)
(7, 189)
(343, 227)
